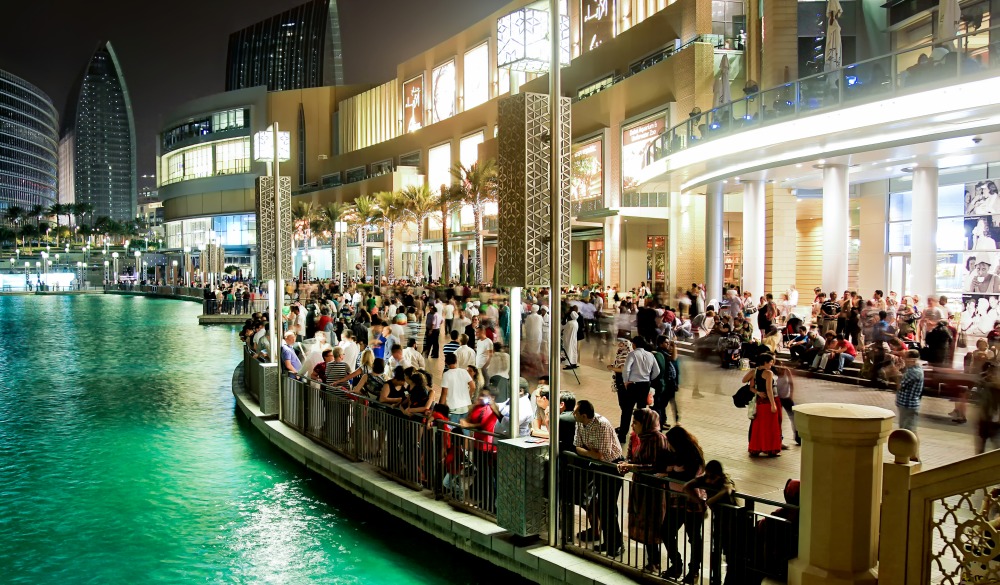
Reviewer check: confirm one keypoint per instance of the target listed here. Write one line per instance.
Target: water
(121, 460)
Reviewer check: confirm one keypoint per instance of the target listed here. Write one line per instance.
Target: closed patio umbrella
(721, 93)
(833, 57)
(461, 268)
(430, 268)
(949, 15)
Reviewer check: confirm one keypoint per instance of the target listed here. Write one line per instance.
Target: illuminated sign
(523, 39)
(413, 100)
(587, 179)
(597, 23)
(635, 142)
(443, 88)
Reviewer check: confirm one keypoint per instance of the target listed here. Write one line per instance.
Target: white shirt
(456, 380)
(533, 326)
(483, 349)
(413, 358)
(351, 351)
(499, 366)
(449, 311)
(466, 356)
(356, 299)
(525, 412)
(471, 310)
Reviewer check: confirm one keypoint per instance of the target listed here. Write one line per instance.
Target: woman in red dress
(765, 430)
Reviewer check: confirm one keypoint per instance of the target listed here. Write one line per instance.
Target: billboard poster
(635, 140)
(413, 100)
(587, 177)
(443, 88)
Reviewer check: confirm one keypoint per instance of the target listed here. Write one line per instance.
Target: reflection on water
(121, 460)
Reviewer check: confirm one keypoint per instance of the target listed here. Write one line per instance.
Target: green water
(122, 461)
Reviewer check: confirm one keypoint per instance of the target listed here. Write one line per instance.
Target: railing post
(894, 522)
(841, 481)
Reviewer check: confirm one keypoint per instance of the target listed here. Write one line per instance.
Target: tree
(82, 209)
(420, 204)
(37, 211)
(478, 185)
(55, 210)
(364, 213)
(302, 216)
(330, 216)
(450, 195)
(16, 216)
(393, 210)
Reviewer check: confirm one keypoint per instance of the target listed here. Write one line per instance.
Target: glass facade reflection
(226, 157)
(297, 49)
(100, 132)
(29, 142)
(228, 230)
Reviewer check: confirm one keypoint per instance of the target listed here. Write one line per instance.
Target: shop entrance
(656, 263)
(899, 274)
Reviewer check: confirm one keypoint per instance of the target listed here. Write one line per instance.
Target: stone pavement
(707, 410)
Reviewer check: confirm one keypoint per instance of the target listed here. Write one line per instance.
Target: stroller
(729, 350)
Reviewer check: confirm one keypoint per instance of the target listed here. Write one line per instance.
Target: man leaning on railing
(596, 439)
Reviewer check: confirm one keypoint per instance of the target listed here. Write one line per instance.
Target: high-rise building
(98, 140)
(28, 145)
(297, 49)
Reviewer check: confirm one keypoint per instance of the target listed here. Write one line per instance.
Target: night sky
(175, 51)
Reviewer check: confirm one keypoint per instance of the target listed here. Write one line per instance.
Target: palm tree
(420, 204)
(393, 208)
(302, 216)
(450, 195)
(37, 211)
(56, 209)
(478, 184)
(330, 216)
(81, 209)
(364, 213)
(15, 215)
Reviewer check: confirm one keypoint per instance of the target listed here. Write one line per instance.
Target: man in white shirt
(484, 349)
(457, 389)
(532, 337)
(413, 357)
(640, 369)
(350, 347)
(472, 309)
(499, 363)
(465, 355)
(448, 312)
(525, 413)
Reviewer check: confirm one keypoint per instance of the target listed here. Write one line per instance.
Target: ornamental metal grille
(523, 246)
(266, 227)
(965, 538)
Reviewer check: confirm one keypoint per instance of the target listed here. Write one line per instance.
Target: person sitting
(799, 344)
(775, 541)
(822, 357)
(938, 344)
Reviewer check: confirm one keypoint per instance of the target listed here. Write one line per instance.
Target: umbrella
(949, 15)
(721, 93)
(833, 58)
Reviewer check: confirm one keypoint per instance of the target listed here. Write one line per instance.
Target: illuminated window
(439, 166)
(443, 88)
(198, 162)
(468, 149)
(413, 108)
(232, 157)
(476, 76)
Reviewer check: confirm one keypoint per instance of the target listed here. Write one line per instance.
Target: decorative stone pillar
(780, 241)
(836, 227)
(841, 477)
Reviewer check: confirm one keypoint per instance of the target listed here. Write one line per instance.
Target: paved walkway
(721, 428)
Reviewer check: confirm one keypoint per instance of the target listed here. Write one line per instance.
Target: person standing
(647, 503)
(765, 430)
(432, 333)
(595, 439)
(531, 339)
(639, 370)
(911, 388)
(457, 389)
(571, 345)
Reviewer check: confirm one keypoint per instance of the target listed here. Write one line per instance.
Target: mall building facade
(665, 190)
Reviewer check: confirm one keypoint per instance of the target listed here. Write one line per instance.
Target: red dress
(765, 430)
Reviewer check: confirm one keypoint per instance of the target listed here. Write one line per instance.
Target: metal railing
(643, 523)
(904, 71)
(244, 306)
(251, 374)
(468, 469)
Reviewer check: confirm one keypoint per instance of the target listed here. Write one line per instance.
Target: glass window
(468, 149)
(232, 157)
(198, 162)
(439, 166)
(951, 202)
(899, 237)
(443, 88)
(476, 76)
(900, 206)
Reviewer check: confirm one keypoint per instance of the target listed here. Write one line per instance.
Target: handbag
(752, 410)
(961, 339)
(744, 396)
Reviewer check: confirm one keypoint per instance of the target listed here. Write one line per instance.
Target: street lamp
(138, 260)
(114, 255)
(187, 260)
(12, 264)
(26, 282)
(38, 271)
(175, 273)
(79, 275)
(18, 252)
(45, 266)
(107, 275)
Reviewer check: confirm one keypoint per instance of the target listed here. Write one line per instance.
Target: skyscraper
(297, 49)
(98, 140)
(28, 145)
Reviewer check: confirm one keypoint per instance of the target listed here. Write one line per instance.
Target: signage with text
(597, 23)
(635, 140)
(413, 99)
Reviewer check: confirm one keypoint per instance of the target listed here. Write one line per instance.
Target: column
(713, 242)
(753, 237)
(923, 246)
(781, 238)
(612, 251)
(836, 227)
(841, 477)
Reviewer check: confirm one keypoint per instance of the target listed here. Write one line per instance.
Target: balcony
(874, 80)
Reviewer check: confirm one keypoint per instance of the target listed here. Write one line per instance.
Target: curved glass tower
(29, 140)
(98, 140)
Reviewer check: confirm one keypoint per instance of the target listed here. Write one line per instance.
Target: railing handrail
(967, 474)
(824, 74)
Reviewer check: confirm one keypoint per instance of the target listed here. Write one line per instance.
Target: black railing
(234, 307)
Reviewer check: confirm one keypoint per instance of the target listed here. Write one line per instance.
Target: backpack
(373, 386)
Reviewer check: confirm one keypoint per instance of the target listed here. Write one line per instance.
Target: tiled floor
(707, 410)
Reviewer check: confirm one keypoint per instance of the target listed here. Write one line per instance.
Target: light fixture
(264, 146)
(523, 39)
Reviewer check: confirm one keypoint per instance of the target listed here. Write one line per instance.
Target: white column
(753, 237)
(923, 247)
(836, 227)
(713, 242)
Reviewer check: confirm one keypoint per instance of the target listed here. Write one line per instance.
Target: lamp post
(175, 273)
(27, 283)
(138, 261)
(114, 257)
(12, 264)
(340, 228)
(79, 275)
(18, 252)
(187, 269)
(38, 271)
(44, 266)
(107, 275)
